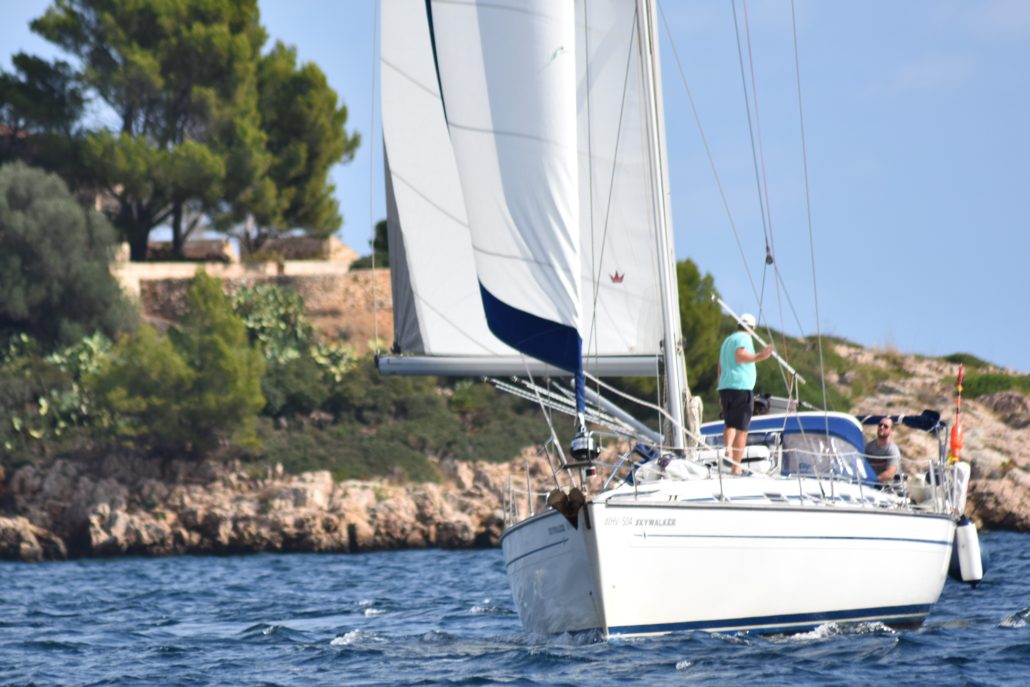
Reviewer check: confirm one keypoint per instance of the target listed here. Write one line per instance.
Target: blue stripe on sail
(781, 623)
(553, 343)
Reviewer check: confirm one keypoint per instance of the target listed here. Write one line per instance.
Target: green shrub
(55, 284)
(369, 398)
(345, 451)
(225, 397)
(993, 382)
(497, 425)
(196, 389)
(293, 387)
(334, 360)
(275, 321)
(390, 427)
(43, 397)
(145, 388)
(301, 373)
(380, 256)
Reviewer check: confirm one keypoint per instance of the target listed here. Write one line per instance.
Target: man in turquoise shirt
(737, 376)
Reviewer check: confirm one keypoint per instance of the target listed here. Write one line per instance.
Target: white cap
(748, 320)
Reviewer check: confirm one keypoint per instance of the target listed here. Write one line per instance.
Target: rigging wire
(763, 191)
(591, 340)
(779, 282)
(597, 261)
(708, 152)
(780, 285)
(770, 240)
(761, 176)
(550, 425)
(596, 275)
(656, 407)
(711, 163)
(371, 177)
(808, 206)
(763, 199)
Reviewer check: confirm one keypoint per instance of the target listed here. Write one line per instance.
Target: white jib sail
(507, 71)
(436, 294)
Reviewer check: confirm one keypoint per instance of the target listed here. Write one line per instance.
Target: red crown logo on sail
(617, 278)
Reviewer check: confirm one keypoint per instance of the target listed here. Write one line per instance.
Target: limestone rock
(20, 540)
(1002, 503)
(1013, 408)
(459, 472)
(396, 524)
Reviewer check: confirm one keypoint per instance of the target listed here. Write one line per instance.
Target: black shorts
(737, 406)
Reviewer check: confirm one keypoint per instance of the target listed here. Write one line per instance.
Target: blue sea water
(446, 617)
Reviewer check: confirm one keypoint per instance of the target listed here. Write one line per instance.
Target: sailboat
(530, 237)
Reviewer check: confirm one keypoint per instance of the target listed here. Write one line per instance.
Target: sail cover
(518, 190)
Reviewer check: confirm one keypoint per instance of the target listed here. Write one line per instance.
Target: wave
(488, 607)
(356, 637)
(833, 629)
(1018, 619)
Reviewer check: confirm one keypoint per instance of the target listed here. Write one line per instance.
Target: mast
(675, 368)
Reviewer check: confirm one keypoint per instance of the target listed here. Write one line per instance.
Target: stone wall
(348, 306)
(204, 250)
(355, 307)
(305, 248)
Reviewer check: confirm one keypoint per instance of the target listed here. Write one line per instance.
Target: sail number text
(630, 521)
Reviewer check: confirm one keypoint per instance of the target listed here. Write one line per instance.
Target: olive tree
(55, 278)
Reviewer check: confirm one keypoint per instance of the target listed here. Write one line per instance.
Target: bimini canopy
(838, 425)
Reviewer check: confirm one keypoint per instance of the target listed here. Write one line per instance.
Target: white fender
(968, 543)
(960, 485)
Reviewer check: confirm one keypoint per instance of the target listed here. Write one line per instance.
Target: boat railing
(926, 485)
(522, 503)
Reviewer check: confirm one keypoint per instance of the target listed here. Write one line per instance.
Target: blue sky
(916, 122)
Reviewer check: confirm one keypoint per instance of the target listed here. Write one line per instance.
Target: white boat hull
(650, 568)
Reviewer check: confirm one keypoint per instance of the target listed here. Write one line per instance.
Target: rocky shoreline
(137, 506)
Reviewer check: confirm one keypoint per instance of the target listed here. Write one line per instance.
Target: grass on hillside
(980, 384)
(983, 377)
(967, 359)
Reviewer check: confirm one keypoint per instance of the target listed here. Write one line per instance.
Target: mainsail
(524, 184)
